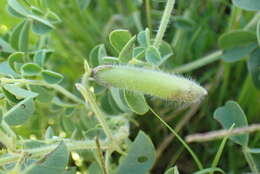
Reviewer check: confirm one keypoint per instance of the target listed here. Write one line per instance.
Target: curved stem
(194, 156)
(199, 63)
(164, 22)
(250, 160)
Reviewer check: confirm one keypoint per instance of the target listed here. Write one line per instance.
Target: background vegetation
(193, 32)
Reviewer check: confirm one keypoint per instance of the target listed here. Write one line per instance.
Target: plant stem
(194, 156)
(250, 160)
(148, 14)
(164, 22)
(199, 63)
(98, 113)
(38, 152)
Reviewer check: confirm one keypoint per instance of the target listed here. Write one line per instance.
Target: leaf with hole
(253, 65)
(20, 113)
(136, 102)
(229, 114)
(51, 77)
(31, 69)
(119, 38)
(53, 163)
(251, 5)
(140, 157)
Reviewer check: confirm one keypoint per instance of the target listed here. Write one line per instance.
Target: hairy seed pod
(151, 82)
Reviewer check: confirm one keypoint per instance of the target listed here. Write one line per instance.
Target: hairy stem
(164, 22)
(98, 113)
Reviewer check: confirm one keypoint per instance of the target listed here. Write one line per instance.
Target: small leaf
(251, 5)
(236, 39)
(17, 8)
(153, 56)
(136, 102)
(14, 38)
(52, 77)
(231, 114)
(119, 99)
(139, 53)
(94, 169)
(5, 47)
(83, 4)
(173, 170)
(183, 23)
(143, 38)
(41, 56)
(119, 38)
(97, 55)
(20, 113)
(237, 44)
(18, 92)
(45, 95)
(49, 133)
(15, 61)
(126, 53)
(23, 42)
(253, 65)
(140, 157)
(41, 26)
(53, 163)
(235, 54)
(31, 69)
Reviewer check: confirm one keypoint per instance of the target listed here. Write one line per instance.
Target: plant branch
(209, 136)
(164, 22)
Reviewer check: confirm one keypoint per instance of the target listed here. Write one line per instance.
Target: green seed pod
(155, 83)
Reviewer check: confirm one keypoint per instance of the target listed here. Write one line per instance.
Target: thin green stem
(194, 156)
(148, 14)
(199, 63)
(250, 160)
(88, 96)
(164, 22)
(220, 150)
